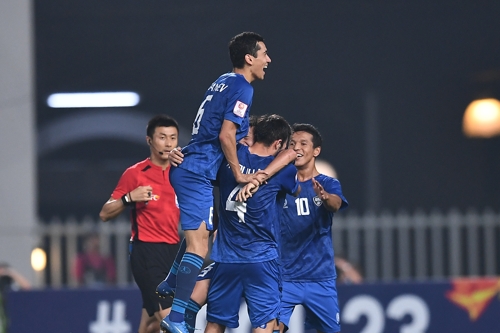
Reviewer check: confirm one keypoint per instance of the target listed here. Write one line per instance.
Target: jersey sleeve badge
(240, 108)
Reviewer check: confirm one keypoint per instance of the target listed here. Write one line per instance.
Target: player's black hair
(160, 121)
(252, 121)
(316, 136)
(270, 128)
(243, 44)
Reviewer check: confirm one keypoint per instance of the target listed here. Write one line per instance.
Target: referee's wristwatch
(126, 200)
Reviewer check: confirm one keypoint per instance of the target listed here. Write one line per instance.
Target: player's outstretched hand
(142, 194)
(246, 192)
(175, 156)
(320, 191)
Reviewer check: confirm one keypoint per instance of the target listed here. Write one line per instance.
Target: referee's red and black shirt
(158, 220)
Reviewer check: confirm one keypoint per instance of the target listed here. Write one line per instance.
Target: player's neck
(245, 72)
(259, 149)
(307, 172)
(159, 162)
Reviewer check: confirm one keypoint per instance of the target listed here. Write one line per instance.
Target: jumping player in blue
(246, 246)
(221, 121)
(309, 276)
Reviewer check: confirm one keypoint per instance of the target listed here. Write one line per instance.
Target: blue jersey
(248, 232)
(306, 233)
(229, 97)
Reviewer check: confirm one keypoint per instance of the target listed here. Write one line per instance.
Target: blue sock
(190, 315)
(172, 275)
(189, 268)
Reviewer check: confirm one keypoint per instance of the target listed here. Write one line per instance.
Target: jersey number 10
(302, 206)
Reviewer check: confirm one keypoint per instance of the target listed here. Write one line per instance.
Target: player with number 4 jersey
(249, 231)
(246, 246)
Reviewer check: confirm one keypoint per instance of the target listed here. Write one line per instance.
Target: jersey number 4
(199, 115)
(235, 206)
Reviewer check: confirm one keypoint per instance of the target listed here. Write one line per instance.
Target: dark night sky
(422, 61)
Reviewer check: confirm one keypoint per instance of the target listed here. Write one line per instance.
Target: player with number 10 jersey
(306, 239)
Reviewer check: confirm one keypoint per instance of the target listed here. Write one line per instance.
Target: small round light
(482, 118)
(38, 259)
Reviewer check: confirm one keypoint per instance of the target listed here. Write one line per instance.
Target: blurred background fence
(385, 247)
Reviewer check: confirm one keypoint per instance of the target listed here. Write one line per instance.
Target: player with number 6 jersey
(221, 121)
(228, 98)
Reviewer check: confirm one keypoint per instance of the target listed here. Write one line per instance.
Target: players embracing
(247, 244)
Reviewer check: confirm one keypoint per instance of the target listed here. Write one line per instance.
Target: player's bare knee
(214, 328)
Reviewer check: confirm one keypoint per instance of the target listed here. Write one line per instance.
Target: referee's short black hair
(160, 120)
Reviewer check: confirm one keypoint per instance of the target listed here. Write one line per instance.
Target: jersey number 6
(199, 115)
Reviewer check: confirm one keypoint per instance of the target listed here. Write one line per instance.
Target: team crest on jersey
(240, 108)
(317, 201)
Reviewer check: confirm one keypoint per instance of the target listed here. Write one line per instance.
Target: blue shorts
(208, 272)
(195, 198)
(319, 300)
(257, 283)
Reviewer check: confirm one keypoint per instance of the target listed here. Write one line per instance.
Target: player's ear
(249, 59)
(316, 151)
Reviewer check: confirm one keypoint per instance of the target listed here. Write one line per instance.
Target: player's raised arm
(227, 139)
(284, 158)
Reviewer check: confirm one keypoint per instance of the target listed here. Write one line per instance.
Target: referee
(145, 188)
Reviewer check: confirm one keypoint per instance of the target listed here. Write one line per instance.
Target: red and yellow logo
(474, 295)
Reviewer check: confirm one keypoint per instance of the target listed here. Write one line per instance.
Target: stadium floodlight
(93, 99)
(482, 118)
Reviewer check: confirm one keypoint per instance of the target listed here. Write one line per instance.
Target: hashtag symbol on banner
(107, 323)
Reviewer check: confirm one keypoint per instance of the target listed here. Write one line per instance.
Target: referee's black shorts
(150, 264)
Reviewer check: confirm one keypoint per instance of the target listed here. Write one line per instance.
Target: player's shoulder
(327, 180)
(236, 81)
